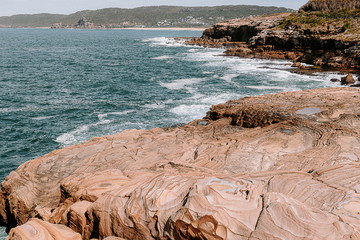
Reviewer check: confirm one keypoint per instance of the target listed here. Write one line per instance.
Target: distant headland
(142, 17)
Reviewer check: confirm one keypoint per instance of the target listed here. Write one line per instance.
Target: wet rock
(335, 80)
(347, 80)
(296, 64)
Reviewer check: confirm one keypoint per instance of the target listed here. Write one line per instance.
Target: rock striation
(277, 166)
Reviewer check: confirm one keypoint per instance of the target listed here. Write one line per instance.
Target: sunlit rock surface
(278, 166)
(37, 229)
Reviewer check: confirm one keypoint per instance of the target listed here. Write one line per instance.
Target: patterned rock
(277, 166)
(38, 229)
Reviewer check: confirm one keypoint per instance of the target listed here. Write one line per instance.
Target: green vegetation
(31, 20)
(313, 19)
(330, 5)
(159, 16)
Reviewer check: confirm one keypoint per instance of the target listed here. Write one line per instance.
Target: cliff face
(280, 166)
(318, 39)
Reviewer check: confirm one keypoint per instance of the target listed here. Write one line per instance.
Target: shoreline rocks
(282, 166)
(264, 37)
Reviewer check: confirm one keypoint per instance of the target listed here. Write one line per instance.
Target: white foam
(80, 133)
(190, 111)
(42, 118)
(192, 50)
(154, 106)
(181, 83)
(164, 41)
(267, 87)
(169, 101)
(163, 57)
(221, 98)
(102, 116)
(195, 96)
(229, 77)
(69, 138)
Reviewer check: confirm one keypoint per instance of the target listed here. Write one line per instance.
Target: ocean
(61, 87)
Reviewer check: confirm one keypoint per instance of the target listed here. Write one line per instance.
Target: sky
(12, 7)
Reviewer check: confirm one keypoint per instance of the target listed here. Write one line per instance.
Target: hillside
(330, 5)
(155, 16)
(27, 20)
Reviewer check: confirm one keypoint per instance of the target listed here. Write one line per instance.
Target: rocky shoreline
(273, 37)
(277, 166)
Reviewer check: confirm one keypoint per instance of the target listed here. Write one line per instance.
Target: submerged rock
(260, 168)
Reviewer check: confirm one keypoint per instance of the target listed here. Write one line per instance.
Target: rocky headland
(325, 34)
(277, 166)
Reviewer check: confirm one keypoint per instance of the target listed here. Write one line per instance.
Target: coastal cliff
(327, 39)
(276, 166)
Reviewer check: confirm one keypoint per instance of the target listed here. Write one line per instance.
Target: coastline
(265, 38)
(179, 29)
(194, 179)
(171, 29)
(264, 156)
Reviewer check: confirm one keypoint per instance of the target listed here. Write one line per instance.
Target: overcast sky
(11, 7)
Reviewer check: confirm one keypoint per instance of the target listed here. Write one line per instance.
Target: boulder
(296, 64)
(349, 79)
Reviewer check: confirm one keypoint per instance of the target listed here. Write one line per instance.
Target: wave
(190, 112)
(82, 133)
(181, 83)
(42, 118)
(163, 57)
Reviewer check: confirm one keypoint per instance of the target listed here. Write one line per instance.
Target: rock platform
(277, 166)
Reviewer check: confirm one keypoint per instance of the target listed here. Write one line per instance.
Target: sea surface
(63, 87)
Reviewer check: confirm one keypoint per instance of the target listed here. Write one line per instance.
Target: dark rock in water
(334, 80)
(355, 85)
(349, 79)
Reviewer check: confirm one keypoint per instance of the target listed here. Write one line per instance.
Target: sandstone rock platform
(277, 166)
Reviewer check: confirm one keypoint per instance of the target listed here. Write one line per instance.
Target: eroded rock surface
(277, 166)
(37, 229)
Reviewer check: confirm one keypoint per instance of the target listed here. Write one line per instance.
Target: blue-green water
(62, 87)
